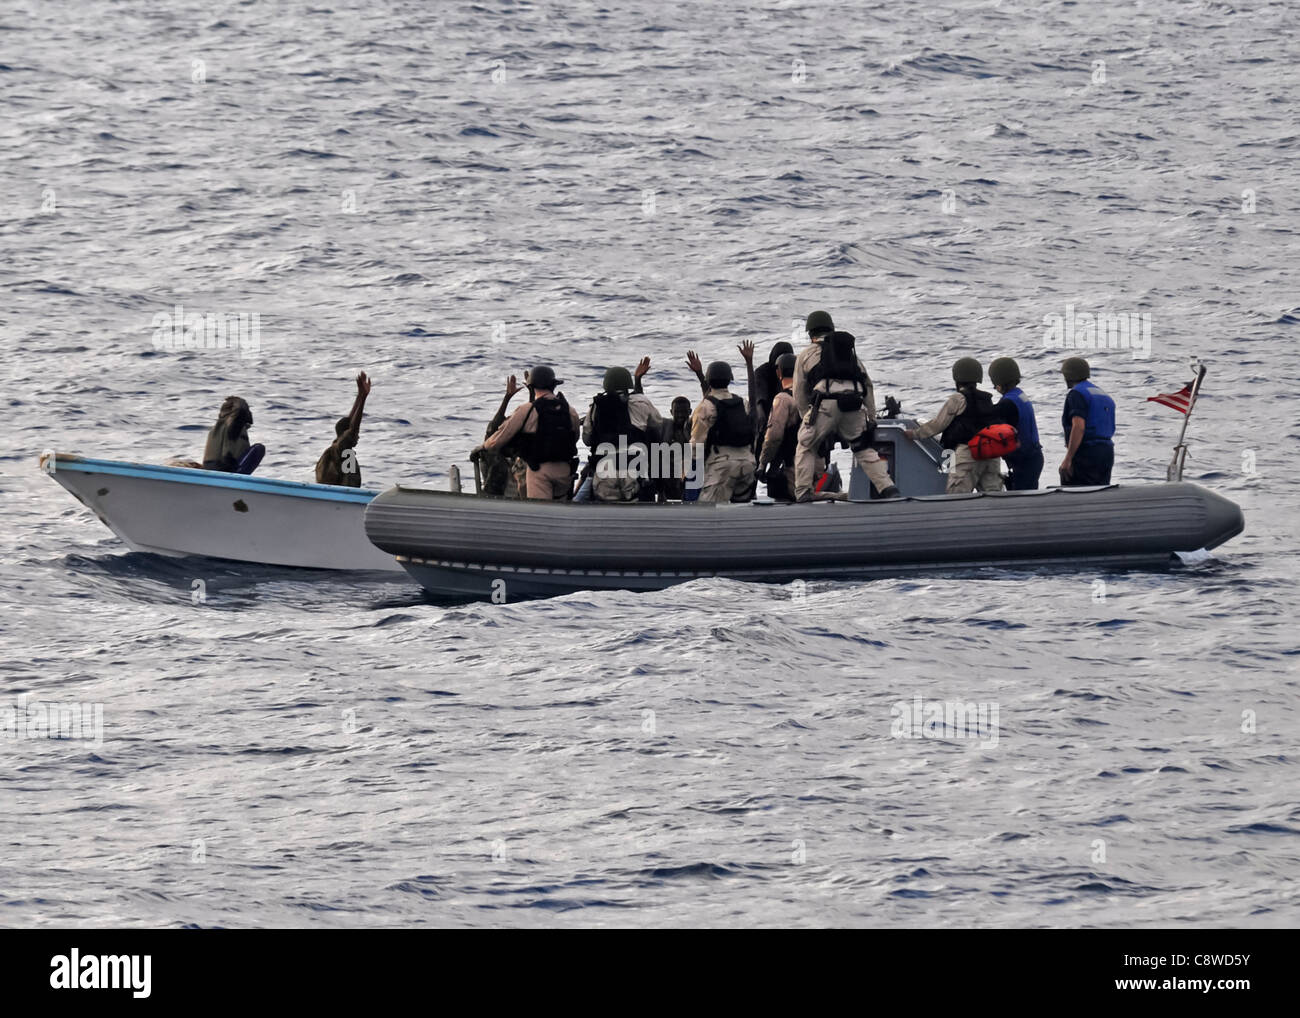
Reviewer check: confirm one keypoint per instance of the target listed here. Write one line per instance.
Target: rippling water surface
(442, 194)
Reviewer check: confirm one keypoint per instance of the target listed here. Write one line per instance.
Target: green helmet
(1004, 372)
(618, 380)
(819, 323)
(967, 370)
(543, 377)
(1075, 369)
(718, 375)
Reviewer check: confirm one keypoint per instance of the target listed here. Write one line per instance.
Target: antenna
(1175, 471)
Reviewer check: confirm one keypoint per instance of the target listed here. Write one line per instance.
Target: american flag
(1180, 400)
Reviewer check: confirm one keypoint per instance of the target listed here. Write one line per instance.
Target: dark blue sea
(444, 194)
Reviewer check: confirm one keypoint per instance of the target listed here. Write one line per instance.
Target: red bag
(994, 442)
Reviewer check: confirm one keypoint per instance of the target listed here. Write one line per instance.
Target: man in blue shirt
(1026, 463)
(1089, 424)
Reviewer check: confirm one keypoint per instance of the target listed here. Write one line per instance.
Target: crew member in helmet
(547, 430)
(722, 425)
(836, 401)
(619, 429)
(818, 325)
(1026, 463)
(227, 447)
(1089, 425)
(964, 414)
(776, 458)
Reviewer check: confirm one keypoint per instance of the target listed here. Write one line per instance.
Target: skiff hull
(178, 511)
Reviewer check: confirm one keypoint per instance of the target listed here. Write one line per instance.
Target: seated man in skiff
(227, 447)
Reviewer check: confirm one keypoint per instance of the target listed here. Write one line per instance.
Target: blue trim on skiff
(214, 479)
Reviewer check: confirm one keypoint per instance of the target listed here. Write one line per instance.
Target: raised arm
(693, 362)
(359, 404)
(512, 387)
(641, 369)
(747, 351)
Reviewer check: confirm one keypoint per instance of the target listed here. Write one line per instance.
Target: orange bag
(993, 442)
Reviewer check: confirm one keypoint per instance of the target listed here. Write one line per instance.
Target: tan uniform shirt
(784, 417)
(640, 411)
(706, 415)
(808, 358)
(523, 420)
(954, 406)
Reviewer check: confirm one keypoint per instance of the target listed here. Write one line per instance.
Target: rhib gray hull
(463, 546)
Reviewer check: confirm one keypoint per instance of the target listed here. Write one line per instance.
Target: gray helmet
(819, 323)
(543, 377)
(718, 375)
(785, 365)
(1004, 372)
(1075, 369)
(618, 380)
(967, 371)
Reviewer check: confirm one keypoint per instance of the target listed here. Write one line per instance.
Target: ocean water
(444, 194)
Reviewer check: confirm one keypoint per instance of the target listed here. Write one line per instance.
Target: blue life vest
(1027, 427)
(1099, 421)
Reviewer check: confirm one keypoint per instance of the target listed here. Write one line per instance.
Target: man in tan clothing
(547, 429)
(620, 424)
(722, 425)
(962, 416)
(835, 400)
(776, 459)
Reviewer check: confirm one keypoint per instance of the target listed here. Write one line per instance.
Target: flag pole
(1175, 471)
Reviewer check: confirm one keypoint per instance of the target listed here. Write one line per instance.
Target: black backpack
(611, 418)
(838, 363)
(732, 427)
(980, 412)
(554, 440)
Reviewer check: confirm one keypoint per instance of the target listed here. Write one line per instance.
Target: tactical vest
(732, 428)
(1025, 422)
(611, 419)
(554, 440)
(977, 416)
(838, 363)
(1099, 421)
